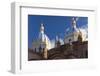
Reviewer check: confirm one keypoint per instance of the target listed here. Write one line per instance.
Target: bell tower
(45, 51)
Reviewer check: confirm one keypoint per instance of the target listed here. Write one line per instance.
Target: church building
(42, 42)
(75, 33)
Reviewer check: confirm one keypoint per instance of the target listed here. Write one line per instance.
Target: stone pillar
(45, 51)
(45, 54)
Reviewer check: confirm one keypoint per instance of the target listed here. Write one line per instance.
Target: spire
(57, 42)
(73, 22)
(42, 28)
(57, 38)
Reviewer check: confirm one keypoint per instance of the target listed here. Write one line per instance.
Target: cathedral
(74, 44)
(43, 42)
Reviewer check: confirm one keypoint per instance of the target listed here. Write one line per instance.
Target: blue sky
(54, 25)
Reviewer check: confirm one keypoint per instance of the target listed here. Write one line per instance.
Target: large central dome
(43, 38)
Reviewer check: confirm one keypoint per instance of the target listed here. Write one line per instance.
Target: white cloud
(67, 29)
(84, 30)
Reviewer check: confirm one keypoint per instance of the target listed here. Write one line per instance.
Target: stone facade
(75, 50)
